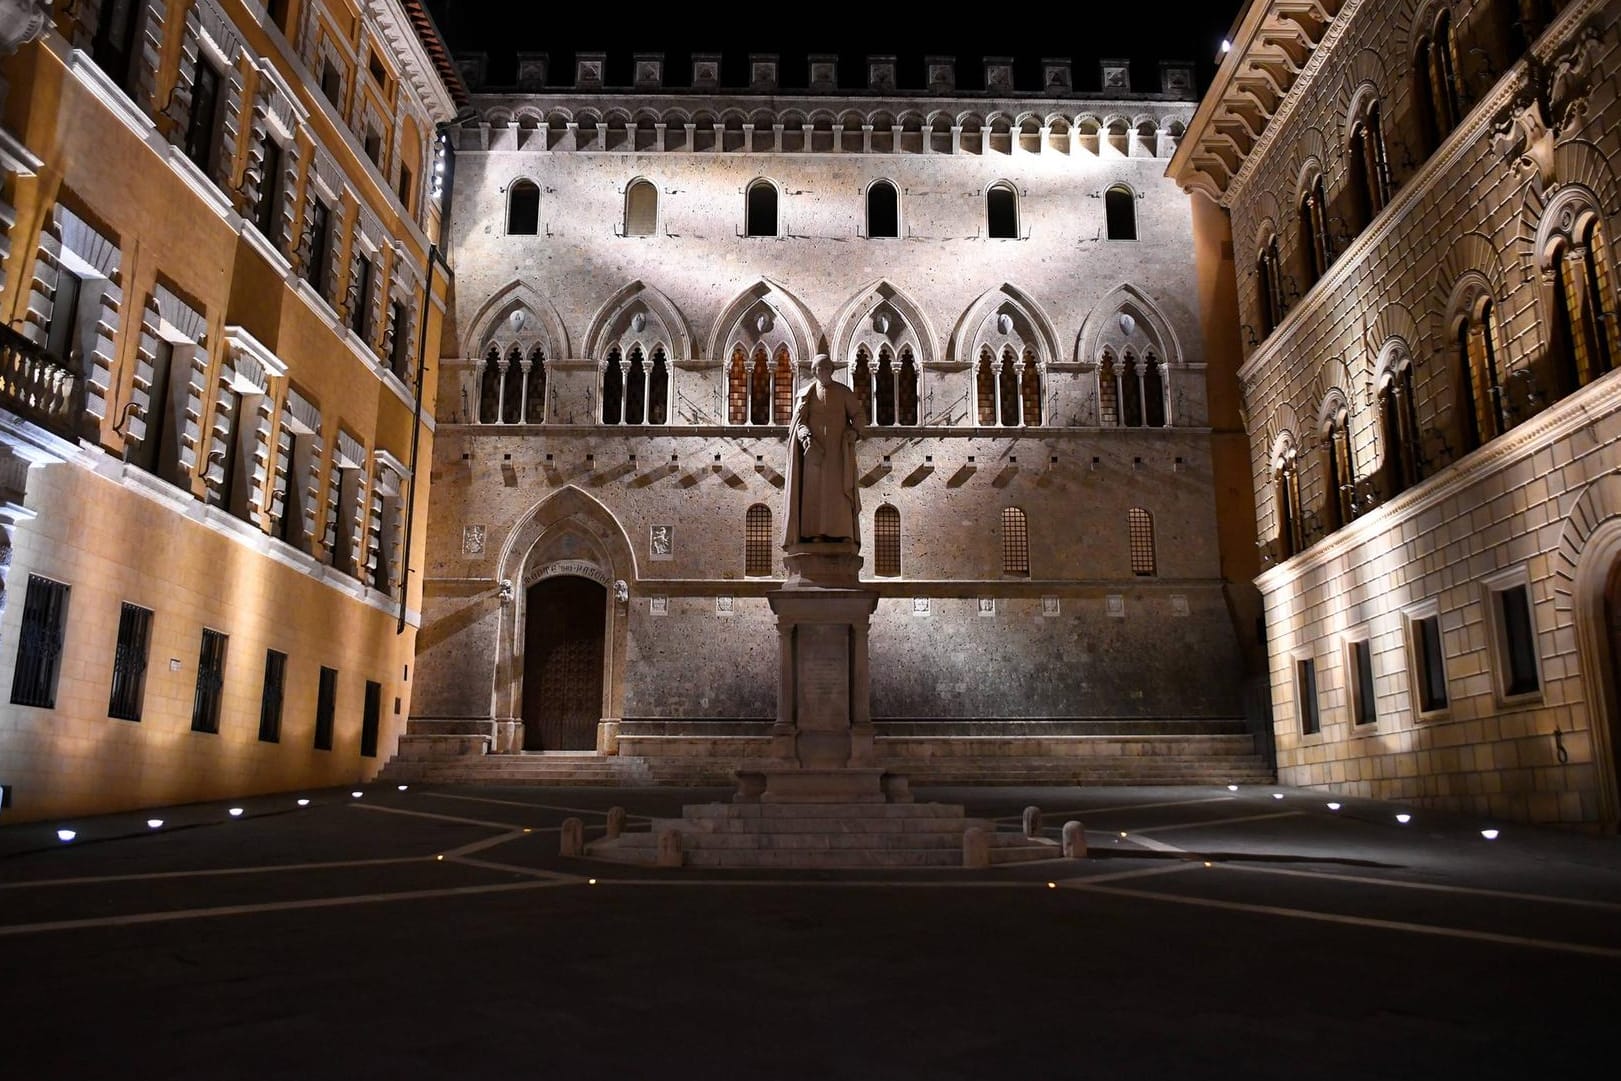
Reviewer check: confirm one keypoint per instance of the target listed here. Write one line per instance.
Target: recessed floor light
(403, 787)
(357, 795)
(65, 835)
(1490, 835)
(154, 823)
(235, 812)
(1333, 806)
(1404, 818)
(303, 803)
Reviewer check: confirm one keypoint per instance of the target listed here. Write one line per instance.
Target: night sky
(1145, 31)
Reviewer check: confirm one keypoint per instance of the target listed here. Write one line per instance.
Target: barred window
(326, 706)
(39, 649)
(886, 542)
(129, 662)
(271, 696)
(757, 542)
(1015, 542)
(1140, 526)
(205, 703)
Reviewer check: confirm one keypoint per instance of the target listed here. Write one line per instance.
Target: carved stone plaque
(822, 671)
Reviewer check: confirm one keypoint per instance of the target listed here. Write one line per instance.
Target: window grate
(1140, 527)
(39, 647)
(886, 542)
(757, 541)
(1015, 542)
(205, 704)
(129, 662)
(270, 698)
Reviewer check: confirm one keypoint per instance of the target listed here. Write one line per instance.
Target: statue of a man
(823, 503)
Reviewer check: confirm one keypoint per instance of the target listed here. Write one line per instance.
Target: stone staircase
(1055, 751)
(821, 835)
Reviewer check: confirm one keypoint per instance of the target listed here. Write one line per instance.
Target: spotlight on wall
(65, 835)
(235, 812)
(1489, 834)
(1404, 818)
(154, 823)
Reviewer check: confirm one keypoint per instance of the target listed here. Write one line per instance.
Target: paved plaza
(436, 933)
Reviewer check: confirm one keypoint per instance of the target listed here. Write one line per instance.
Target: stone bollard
(976, 847)
(616, 821)
(1074, 841)
(1032, 821)
(571, 842)
(669, 854)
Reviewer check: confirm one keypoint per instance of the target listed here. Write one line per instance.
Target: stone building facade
(643, 276)
(1422, 199)
(216, 226)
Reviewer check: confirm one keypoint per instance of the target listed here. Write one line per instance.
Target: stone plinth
(822, 742)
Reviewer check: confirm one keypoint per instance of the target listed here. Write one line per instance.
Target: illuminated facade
(215, 238)
(1422, 198)
(644, 274)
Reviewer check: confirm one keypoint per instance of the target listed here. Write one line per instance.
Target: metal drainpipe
(434, 256)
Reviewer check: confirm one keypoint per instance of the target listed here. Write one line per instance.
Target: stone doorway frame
(567, 533)
(1600, 559)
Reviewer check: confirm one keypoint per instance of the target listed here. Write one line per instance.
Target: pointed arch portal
(565, 619)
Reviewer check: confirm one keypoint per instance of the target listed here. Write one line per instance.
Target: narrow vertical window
(1429, 676)
(39, 646)
(613, 387)
(760, 388)
(371, 717)
(1007, 389)
(200, 123)
(641, 208)
(362, 295)
(326, 707)
(883, 210)
(908, 392)
(861, 382)
(1517, 642)
(535, 396)
(884, 406)
(1001, 212)
(782, 388)
(1108, 393)
(985, 388)
(1153, 392)
(129, 662)
(272, 183)
(113, 47)
(757, 541)
(1140, 527)
(1306, 695)
(489, 387)
(523, 209)
(512, 387)
(205, 703)
(332, 85)
(762, 209)
(317, 270)
(886, 542)
(737, 388)
(636, 387)
(1363, 707)
(1120, 213)
(399, 353)
(1015, 542)
(270, 696)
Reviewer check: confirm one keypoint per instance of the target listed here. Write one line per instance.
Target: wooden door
(562, 668)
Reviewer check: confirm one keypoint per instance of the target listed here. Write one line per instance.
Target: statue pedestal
(822, 741)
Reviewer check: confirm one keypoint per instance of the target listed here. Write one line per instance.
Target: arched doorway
(1610, 771)
(564, 621)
